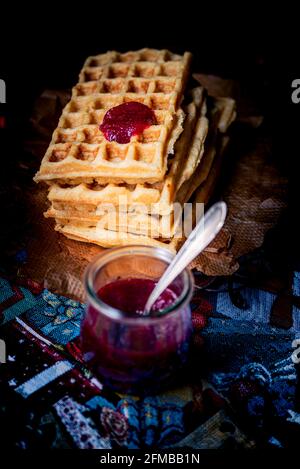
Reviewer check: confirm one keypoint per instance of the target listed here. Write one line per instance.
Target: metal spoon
(202, 235)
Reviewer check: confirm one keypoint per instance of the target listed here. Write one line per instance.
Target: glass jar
(135, 354)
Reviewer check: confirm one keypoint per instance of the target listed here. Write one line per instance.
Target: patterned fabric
(241, 387)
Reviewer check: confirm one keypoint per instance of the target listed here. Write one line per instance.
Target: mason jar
(128, 352)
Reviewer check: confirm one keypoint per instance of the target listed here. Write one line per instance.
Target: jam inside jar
(127, 350)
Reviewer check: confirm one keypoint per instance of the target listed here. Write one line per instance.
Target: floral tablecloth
(241, 388)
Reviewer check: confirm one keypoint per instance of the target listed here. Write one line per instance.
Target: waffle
(79, 151)
(147, 227)
(157, 198)
(189, 149)
(107, 238)
(90, 200)
(223, 113)
(154, 226)
(135, 223)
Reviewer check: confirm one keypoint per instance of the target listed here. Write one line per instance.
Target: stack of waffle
(116, 194)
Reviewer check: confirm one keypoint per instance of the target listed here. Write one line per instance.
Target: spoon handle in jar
(201, 236)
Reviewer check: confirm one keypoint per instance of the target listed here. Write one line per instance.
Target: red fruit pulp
(121, 122)
(136, 355)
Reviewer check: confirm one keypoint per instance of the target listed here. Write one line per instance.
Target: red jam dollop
(130, 296)
(121, 122)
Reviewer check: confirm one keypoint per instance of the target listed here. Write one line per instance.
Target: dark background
(44, 46)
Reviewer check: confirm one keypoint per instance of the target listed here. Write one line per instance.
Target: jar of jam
(128, 350)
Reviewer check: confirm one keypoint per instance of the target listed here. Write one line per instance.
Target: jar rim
(109, 255)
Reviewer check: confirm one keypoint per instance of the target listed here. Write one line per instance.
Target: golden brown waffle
(189, 149)
(154, 226)
(223, 113)
(157, 198)
(147, 227)
(136, 223)
(140, 223)
(91, 233)
(109, 239)
(79, 151)
(89, 200)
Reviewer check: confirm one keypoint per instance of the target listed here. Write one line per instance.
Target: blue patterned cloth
(249, 379)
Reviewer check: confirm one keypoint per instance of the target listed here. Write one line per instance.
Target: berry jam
(135, 353)
(121, 122)
(130, 296)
